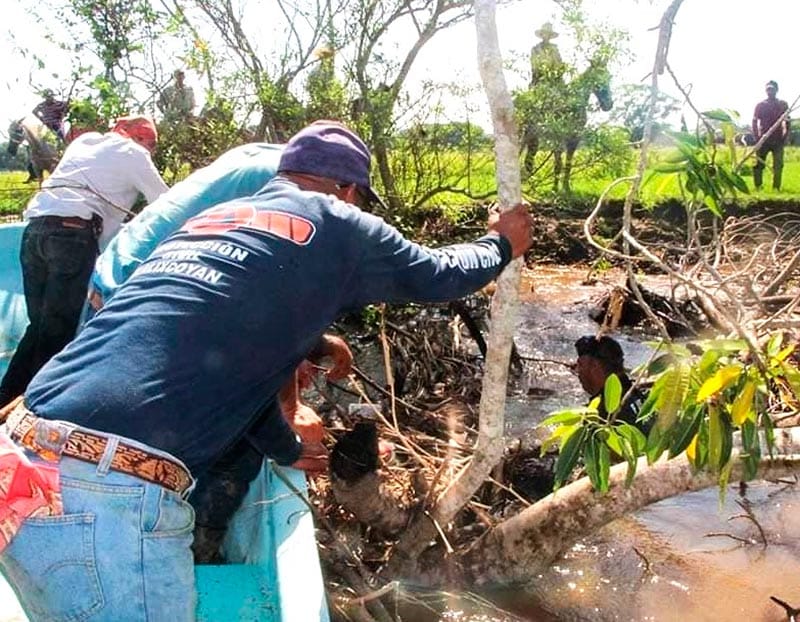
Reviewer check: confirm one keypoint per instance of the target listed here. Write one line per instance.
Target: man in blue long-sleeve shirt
(189, 357)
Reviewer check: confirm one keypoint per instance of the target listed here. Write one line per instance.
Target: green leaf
(656, 443)
(565, 417)
(714, 437)
(701, 445)
(612, 393)
(559, 436)
(751, 448)
(783, 354)
(630, 457)
(707, 361)
(774, 345)
(769, 432)
(568, 457)
(685, 431)
(591, 460)
(604, 466)
(614, 441)
(647, 407)
(671, 387)
(634, 436)
(660, 364)
(724, 478)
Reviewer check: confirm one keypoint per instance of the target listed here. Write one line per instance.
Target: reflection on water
(661, 564)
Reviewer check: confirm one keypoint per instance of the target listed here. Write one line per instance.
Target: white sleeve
(147, 180)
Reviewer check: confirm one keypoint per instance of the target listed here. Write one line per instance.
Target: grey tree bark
(519, 548)
(489, 447)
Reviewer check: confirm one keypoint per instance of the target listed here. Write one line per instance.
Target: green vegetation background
(587, 183)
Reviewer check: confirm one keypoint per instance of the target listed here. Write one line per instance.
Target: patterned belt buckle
(49, 438)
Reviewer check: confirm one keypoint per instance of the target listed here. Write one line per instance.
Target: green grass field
(14, 192)
(587, 183)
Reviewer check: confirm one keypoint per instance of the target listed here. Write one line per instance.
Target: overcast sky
(717, 51)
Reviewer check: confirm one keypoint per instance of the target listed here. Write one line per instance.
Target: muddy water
(662, 564)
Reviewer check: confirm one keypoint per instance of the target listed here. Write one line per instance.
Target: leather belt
(76, 222)
(90, 447)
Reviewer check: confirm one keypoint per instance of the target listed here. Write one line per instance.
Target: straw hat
(546, 32)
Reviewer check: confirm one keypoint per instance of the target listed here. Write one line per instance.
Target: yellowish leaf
(719, 381)
(691, 449)
(742, 408)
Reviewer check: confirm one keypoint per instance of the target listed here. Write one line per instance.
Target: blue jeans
(121, 551)
(57, 257)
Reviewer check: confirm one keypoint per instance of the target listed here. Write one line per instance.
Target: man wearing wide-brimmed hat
(546, 63)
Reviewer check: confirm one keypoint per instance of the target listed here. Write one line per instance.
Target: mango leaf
(701, 446)
(718, 382)
(727, 439)
(564, 417)
(569, 455)
(630, 457)
(720, 438)
(769, 432)
(742, 408)
(685, 431)
(660, 364)
(656, 443)
(634, 436)
(751, 454)
(612, 393)
(559, 436)
(781, 356)
(724, 478)
(712, 203)
(792, 375)
(774, 345)
(691, 450)
(708, 361)
(672, 387)
(714, 437)
(591, 460)
(735, 181)
(649, 404)
(604, 466)
(723, 345)
(614, 441)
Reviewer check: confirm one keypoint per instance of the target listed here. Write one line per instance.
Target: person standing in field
(176, 101)
(52, 112)
(770, 123)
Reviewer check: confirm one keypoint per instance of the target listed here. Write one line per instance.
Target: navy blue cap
(329, 149)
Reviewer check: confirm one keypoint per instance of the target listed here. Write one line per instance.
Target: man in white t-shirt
(78, 209)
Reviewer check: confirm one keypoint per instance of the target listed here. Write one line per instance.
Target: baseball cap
(603, 348)
(330, 149)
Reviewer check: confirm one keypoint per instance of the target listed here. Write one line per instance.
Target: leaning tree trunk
(489, 448)
(518, 549)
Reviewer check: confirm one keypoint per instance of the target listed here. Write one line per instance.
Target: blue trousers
(121, 550)
(57, 257)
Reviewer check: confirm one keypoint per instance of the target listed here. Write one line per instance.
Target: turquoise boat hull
(273, 574)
